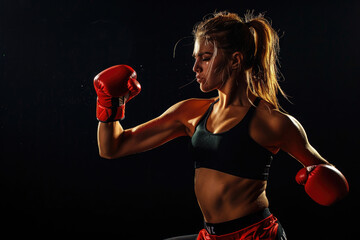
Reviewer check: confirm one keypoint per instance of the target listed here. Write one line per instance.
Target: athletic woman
(233, 136)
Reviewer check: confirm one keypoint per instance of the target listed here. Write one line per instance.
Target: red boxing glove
(114, 87)
(323, 183)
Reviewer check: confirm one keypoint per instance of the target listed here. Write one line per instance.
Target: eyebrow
(202, 53)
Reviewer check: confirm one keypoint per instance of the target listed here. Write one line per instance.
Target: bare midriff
(223, 197)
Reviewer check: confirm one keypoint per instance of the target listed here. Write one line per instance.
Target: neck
(235, 92)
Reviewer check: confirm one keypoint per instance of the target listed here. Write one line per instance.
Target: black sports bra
(233, 152)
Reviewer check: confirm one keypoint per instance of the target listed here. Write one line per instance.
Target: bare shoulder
(273, 117)
(189, 112)
(189, 106)
(196, 102)
(271, 126)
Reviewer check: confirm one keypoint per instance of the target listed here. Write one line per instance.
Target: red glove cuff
(112, 114)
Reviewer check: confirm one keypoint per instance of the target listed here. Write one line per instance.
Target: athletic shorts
(260, 225)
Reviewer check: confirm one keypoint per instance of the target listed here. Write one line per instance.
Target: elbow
(112, 154)
(107, 155)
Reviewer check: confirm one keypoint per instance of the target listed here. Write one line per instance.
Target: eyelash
(204, 59)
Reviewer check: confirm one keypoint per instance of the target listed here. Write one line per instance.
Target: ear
(236, 60)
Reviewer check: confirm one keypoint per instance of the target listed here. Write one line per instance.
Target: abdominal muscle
(223, 197)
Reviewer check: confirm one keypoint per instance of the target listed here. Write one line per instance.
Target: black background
(53, 181)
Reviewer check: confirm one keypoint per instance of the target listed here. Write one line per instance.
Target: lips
(199, 79)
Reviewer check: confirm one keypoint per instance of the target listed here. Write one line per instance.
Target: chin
(205, 88)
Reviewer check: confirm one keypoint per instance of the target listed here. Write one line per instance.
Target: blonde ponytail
(264, 73)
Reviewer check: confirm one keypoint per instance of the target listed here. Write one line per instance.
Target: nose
(196, 67)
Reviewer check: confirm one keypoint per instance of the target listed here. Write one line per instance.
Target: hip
(259, 225)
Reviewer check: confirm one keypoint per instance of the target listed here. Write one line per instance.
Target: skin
(221, 197)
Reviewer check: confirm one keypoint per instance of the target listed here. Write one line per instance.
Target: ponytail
(264, 73)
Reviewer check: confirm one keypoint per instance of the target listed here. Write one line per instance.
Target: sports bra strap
(250, 113)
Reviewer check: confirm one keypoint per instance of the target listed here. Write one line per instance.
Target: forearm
(108, 137)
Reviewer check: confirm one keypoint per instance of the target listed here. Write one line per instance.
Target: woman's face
(206, 66)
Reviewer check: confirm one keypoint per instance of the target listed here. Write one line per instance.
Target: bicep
(295, 142)
(150, 134)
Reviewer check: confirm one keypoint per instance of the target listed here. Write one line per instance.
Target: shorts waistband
(236, 224)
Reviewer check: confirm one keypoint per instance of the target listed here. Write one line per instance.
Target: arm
(115, 86)
(323, 182)
(115, 142)
(294, 141)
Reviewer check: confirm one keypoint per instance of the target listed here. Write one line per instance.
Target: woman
(233, 135)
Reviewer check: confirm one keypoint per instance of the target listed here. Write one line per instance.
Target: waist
(223, 197)
(236, 224)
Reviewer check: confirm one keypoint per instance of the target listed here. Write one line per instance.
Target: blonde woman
(233, 136)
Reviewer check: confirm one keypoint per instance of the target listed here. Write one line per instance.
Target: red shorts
(265, 229)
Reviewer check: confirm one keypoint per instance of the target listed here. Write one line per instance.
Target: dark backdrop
(53, 181)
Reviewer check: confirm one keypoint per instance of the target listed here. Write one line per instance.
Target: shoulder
(274, 117)
(275, 123)
(189, 112)
(189, 106)
(196, 102)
